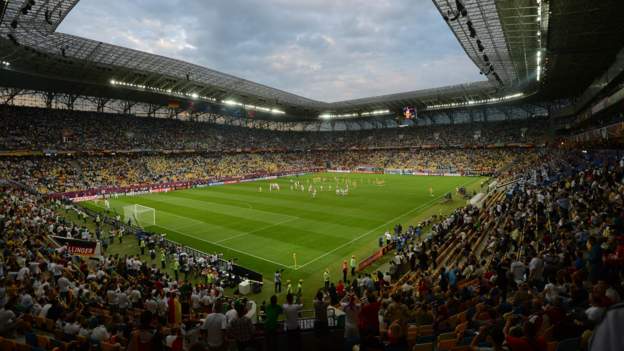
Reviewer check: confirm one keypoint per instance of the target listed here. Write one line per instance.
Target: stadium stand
(533, 262)
(26, 128)
(79, 173)
(539, 264)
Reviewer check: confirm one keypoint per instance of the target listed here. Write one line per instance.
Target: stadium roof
(512, 34)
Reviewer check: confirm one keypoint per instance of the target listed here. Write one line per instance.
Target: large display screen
(410, 112)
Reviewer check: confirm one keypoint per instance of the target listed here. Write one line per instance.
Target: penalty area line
(226, 247)
(256, 230)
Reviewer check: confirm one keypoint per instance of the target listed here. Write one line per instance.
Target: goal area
(139, 215)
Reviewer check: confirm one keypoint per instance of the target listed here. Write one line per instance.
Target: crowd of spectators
(76, 173)
(62, 174)
(539, 263)
(24, 128)
(139, 150)
(477, 161)
(112, 301)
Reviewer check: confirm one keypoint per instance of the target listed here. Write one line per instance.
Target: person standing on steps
(291, 311)
(272, 313)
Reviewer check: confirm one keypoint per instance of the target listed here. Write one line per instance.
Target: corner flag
(295, 259)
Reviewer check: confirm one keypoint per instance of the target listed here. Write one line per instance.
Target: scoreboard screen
(410, 112)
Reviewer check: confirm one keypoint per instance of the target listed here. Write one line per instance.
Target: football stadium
(407, 175)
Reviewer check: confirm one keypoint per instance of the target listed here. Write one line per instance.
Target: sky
(327, 50)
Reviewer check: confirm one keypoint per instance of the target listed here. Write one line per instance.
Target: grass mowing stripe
(223, 246)
(223, 208)
(257, 230)
(217, 210)
(224, 230)
(298, 245)
(274, 211)
(301, 241)
(313, 207)
(376, 228)
(190, 226)
(231, 222)
(323, 225)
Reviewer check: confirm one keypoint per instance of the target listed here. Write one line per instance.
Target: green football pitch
(264, 229)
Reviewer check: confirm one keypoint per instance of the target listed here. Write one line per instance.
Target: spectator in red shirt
(340, 289)
(369, 317)
(523, 336)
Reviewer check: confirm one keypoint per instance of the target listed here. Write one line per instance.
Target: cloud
(322, 49)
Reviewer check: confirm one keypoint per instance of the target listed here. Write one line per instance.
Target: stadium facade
(524, 49)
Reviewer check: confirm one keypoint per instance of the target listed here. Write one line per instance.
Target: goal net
(139, 215)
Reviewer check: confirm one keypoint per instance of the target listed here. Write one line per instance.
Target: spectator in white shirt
(517, 269)
(72, 327)
(123, 302)
(351, 306)
(7, 322)
(63, 285)
(195, 299)
(23, 274)
(231, 315)
(291, 311)
(215, 325)
(26, 301)
(536, 268)
(100, 333)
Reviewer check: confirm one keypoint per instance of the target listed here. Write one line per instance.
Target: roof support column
(101, 104)
(127, 107)
(11, 94)
(49, 99)
(505, 112)
(152, 109)
(172, 113)
(70, 99)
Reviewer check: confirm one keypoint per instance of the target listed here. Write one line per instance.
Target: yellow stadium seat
(23, 347)
(43, 341)
(412, 334)
(446, 344)
(7, 345)
(423, 347)
(425, 330)
(105, 346)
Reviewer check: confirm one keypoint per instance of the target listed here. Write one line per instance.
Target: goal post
(140, 215)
